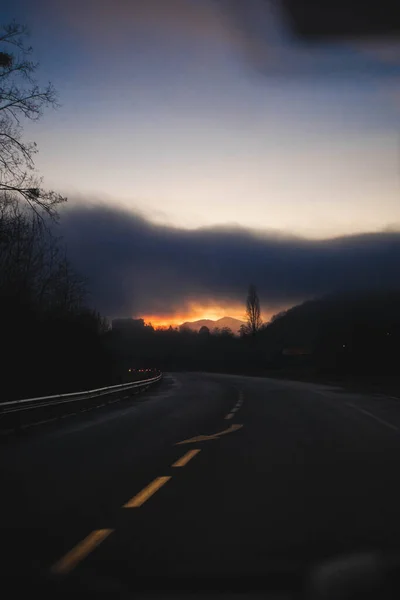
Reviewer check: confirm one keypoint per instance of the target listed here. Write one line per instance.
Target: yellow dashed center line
(68, 562)
(214, 436)
(147, 492)
(185, 458)
(81, 550)
(237, 406)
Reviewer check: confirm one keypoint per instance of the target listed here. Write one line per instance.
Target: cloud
(271, 46)
(106, 22)
(258, 33)
(135, 267)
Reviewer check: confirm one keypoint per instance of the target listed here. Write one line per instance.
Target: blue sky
(196, 118)
(203, 113)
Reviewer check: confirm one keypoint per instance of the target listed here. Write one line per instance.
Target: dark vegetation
(343, 336)
(50, 341)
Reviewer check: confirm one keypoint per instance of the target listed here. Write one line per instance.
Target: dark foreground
(299, 473)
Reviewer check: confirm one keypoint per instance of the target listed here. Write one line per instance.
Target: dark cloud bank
(135, 267)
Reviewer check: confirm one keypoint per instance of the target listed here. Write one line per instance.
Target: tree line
(51, 340)
(344, 334)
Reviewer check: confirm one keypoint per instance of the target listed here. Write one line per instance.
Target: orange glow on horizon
(195, 312)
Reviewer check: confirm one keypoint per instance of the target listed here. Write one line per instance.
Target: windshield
(199, 230)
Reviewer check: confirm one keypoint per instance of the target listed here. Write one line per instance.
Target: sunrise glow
(195, 312)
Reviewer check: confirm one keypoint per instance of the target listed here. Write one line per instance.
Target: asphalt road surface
(205, 475)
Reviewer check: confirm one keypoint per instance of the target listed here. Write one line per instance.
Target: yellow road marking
(147, 492)
(81, 550)
(230, 415)
(215, 436)
(185, 458)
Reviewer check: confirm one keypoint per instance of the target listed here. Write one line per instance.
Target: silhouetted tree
(204, 331)
(21, 98)
(253, 311)
(49, 333)
(243, 330)
(227, 332)
(33, 267)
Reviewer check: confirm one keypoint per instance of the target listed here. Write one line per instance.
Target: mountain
(354, 332)
(230, 322)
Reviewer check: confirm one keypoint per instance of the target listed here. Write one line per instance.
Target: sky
(198, 122)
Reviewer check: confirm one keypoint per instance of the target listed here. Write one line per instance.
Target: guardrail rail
(17, 414)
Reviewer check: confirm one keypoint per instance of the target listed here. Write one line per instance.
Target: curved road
(204, 475)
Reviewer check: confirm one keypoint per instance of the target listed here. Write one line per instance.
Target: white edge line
(38, 423)
(366, 412)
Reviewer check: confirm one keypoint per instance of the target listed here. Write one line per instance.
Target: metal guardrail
(15, 411)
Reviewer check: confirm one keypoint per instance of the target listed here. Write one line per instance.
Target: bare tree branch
(21, 98)
(253, 311)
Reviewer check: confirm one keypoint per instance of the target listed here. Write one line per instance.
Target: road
(204, 475)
